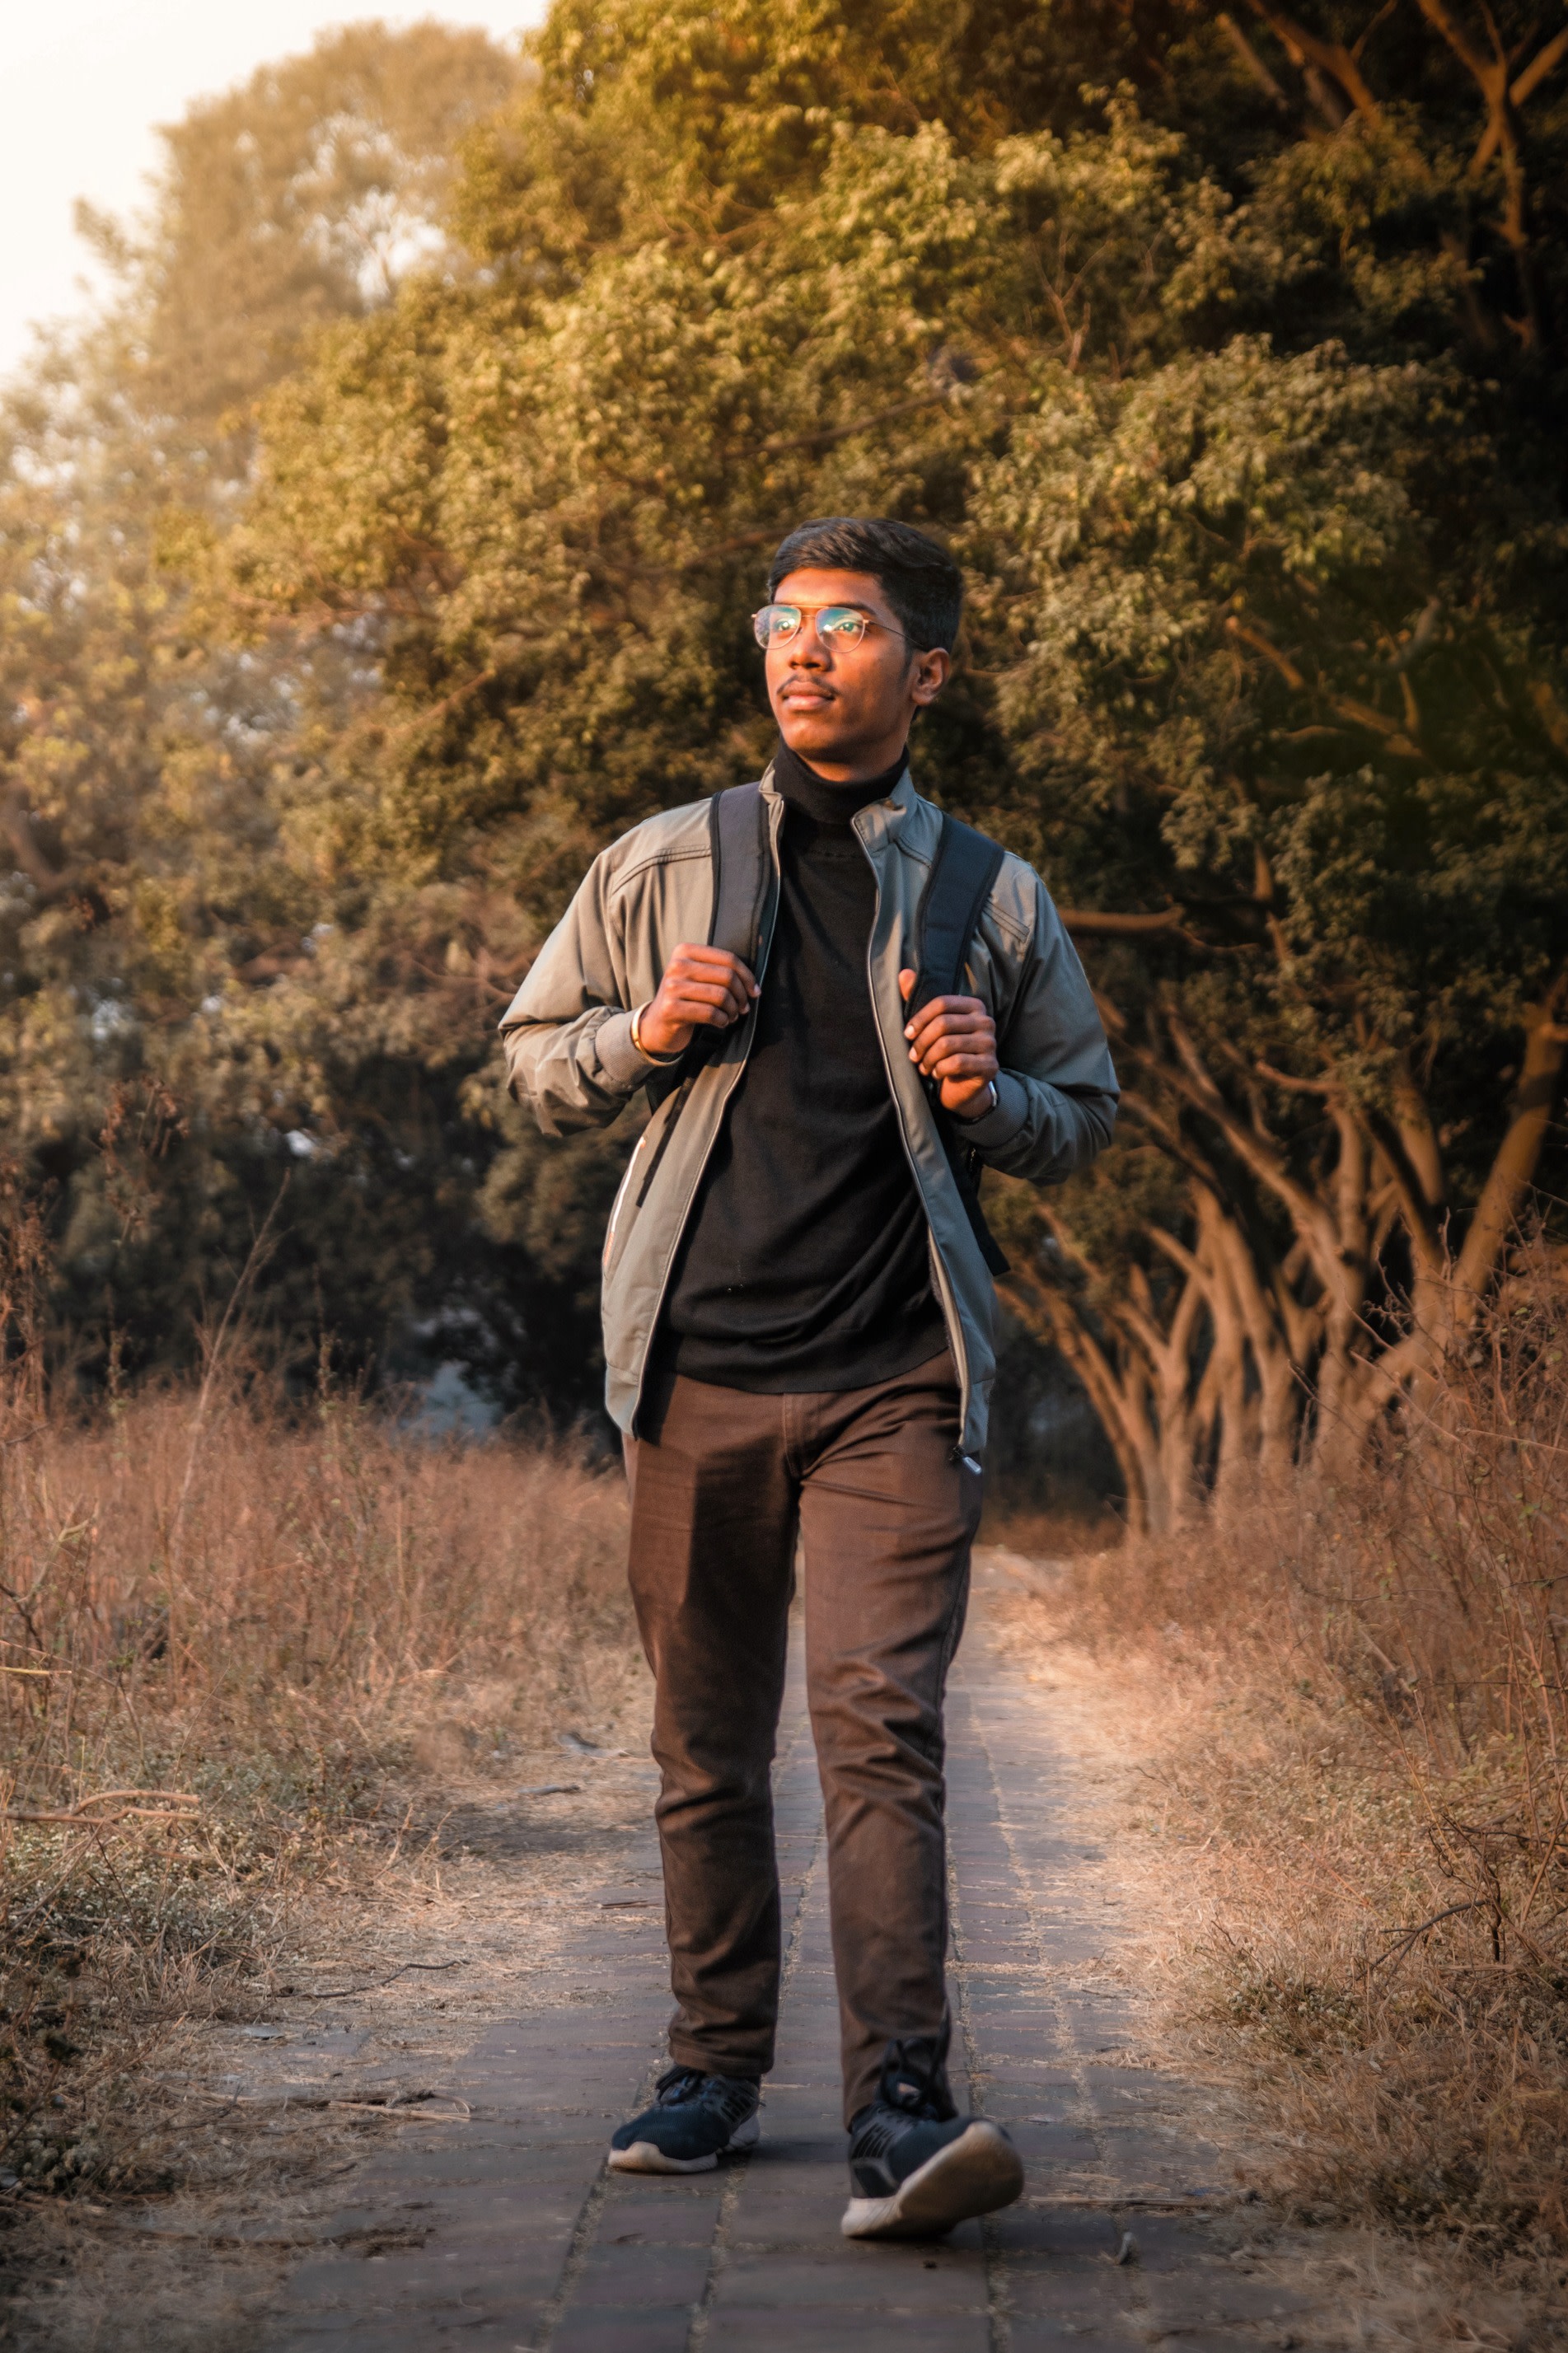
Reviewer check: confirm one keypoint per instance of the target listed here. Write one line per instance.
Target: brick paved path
(506, 2233)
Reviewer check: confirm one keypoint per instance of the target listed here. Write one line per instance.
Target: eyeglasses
(837, 625)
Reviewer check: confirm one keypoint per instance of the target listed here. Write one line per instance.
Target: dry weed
(1381, 1752)
(251, 1625)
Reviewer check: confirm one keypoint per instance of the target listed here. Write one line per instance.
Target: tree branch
(1491, 77)
(1256, 1151)
(1250, 59)
(1343, 706)
(832, 433)
(1305, 48)
(1092, 924)
(1513, 1169)
(16, 824)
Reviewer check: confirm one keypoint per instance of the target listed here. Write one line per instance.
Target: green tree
(1226, 348)
(156, 1054)
(1236, 381)
(1294, 607)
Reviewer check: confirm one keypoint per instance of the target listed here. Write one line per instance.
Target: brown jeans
(887, 1513)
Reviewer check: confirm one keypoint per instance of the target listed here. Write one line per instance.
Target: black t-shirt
(805, 1264)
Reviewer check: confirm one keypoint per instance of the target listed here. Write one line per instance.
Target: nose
(805, 649)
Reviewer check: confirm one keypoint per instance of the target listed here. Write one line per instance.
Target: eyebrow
(833, 605)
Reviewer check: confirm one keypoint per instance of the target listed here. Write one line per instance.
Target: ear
(931, 673)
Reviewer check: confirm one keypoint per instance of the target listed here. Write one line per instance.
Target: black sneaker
(916, 2168)
(695, 2119)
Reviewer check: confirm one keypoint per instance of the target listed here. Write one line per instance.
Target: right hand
(702, 988)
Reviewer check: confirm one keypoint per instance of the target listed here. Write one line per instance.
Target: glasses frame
(867, 621)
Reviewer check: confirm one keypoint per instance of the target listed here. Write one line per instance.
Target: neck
(832, 800)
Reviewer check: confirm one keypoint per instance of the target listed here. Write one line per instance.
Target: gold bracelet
(647, 1051)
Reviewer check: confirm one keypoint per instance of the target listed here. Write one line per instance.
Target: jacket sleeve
(568, 1031)
(1056, 1091)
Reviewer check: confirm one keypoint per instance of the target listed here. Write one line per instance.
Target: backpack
(962, 876)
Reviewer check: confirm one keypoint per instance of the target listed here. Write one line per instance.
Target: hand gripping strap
(962, 877)
(742, 870)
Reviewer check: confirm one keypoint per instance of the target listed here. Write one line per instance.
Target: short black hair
(916, 574)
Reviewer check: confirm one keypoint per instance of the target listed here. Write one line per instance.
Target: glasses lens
(840, 624)
(775, 624)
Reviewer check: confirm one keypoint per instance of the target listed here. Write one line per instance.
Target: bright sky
(85, 82)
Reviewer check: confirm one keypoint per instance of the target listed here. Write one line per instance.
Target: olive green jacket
(569, 1053)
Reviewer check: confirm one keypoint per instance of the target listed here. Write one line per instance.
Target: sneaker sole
(646, 2157)
(973, 2175)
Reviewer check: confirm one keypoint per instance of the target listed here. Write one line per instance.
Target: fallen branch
(345, 1993)
(456, 2111)
(175, 1806)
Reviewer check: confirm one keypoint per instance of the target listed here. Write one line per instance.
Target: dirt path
(482, 2216)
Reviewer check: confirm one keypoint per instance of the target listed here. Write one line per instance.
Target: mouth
(806, 697)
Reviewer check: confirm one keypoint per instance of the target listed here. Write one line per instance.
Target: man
(798, 1337)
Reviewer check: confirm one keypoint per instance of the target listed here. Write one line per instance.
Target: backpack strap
(738, 822)
(743, 874)
(963, 874)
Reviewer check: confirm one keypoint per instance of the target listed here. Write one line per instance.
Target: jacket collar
(880, 823)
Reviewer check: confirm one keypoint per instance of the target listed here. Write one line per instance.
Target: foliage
(1227, 356)
(1233, 391)
(183, 1030)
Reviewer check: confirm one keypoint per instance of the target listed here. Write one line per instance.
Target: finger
(978, 1025)
(700, 992)
(705, 1007)
(703, 952)
(703, 1017)
(714, 963)
(949, 1008)
(940, 1056)
(975, 1036)
(940, 1008)
(712, 989)
(907, 980)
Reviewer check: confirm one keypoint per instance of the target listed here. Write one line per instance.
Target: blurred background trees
(391, 545)
(154, 1079)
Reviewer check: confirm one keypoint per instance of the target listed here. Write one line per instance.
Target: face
(846, 708)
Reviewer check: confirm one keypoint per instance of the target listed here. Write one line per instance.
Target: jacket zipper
(620, 1198)
(949, 1305)
(764, 950)
(682, 1093)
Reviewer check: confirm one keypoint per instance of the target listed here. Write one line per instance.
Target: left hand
(953, 1040)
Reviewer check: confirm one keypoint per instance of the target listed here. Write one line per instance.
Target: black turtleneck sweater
(805, 1264)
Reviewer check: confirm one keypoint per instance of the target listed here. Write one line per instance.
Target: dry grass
(1367, 1717)
(283, 1620)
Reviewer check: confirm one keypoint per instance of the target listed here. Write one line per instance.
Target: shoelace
(680, 2085)
(914, 2079)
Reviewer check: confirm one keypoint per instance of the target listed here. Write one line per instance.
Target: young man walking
(798, 1314)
